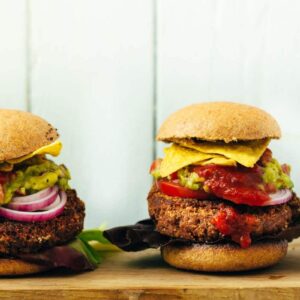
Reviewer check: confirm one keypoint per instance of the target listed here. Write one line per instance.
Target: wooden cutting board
(143, 275)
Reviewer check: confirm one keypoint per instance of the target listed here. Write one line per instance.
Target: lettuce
(92, 244)
(84, 253)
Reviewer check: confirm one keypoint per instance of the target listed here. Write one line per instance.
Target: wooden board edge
(157, 293)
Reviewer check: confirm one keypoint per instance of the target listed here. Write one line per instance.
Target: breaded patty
(23, 237)
(193, 219)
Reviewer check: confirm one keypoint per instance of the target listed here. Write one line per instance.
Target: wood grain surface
(144, 275)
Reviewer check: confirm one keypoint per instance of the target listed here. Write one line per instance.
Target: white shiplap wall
(104, 71)
(91, 76)
(13, 54)
(246, 51)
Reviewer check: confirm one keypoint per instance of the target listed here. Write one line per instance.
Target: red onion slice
(39, 202)
(280, 197)
(35, 216)
(33, 197)
(52, 205)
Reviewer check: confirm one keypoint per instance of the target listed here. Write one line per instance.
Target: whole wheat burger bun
(22, 133)
(18, 267)
(224, 257)
(219, 121)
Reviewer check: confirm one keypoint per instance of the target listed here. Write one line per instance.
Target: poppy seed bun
(219, 121)
(224, 257)
(13, 267)
(22, 133)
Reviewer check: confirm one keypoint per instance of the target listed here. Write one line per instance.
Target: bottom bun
(224, 257)
(14, 267)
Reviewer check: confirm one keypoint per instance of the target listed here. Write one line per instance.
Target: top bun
(219, 121)
(22, 133)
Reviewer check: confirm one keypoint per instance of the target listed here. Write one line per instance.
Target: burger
(41, 217)
(220, 201)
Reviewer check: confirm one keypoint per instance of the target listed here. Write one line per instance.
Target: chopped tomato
(174, 189)
(155, 165)
(3, 178)
(1, 194)
(286, 169)
(238, 226)
(245, 240)
(266, 157)
(173, 176)
(270, 188)
(239, 185)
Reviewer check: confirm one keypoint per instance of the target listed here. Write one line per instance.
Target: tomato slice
(174, 189)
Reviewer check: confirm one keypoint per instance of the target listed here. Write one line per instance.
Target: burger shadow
(148, 262)
(289, 265)
(57, 273)
(274, 272)
(60, 272)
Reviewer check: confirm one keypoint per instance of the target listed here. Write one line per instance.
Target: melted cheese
(52, 149)
(180, 156)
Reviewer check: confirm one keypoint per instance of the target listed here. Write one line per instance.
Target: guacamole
(190, 180)
(273, 174)
(35, 174)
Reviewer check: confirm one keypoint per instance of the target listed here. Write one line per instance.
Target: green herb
(93, 245)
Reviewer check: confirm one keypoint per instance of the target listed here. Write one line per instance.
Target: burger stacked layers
(40, 215)
(220, 188)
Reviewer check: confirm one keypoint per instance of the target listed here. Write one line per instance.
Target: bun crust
(22, 133)
(15, 267)
(224, 257)
(219, 121)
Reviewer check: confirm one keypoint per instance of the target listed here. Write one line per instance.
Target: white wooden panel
(280, 79)
(208, 50)
(13, 54)
(91, 77)
(246, 51)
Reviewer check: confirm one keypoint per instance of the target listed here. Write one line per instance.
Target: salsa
(241, 185)
(238, 226)
(238, 184)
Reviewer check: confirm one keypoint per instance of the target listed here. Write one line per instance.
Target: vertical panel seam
(215, 4)
(28, 56)
(154, 76)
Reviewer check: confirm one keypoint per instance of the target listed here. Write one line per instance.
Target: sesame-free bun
(224, 257)
(219, 121)
(17, 267)
(22, 133)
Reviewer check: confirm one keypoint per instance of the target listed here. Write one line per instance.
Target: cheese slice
(246, 154)
(177, 157)
(222, 161)
(52, 149)
(188, 152)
